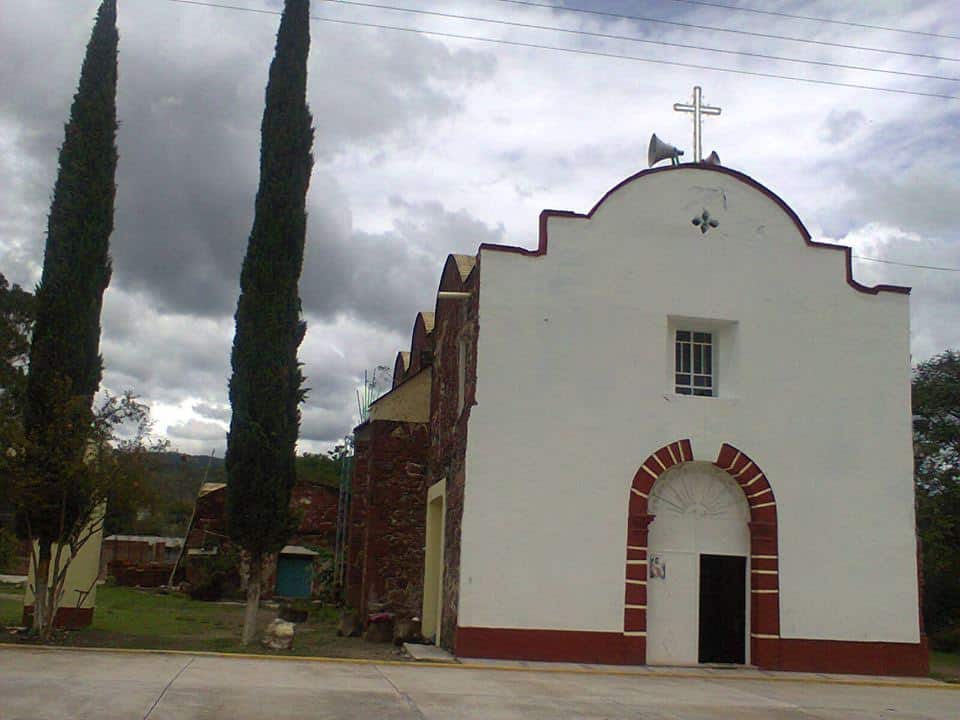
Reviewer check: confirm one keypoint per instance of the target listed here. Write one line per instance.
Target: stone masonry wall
(455, 320)
(357, 518)
(396, 519)
(387, 518)
(318, 507)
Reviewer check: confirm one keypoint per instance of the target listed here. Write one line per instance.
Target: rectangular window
(694, 363)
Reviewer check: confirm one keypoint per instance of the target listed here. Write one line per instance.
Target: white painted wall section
(574, 391)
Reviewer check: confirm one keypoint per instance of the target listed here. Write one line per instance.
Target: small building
(139, 550)
(139, 560)
(79, 586)
(317, 506)
(295, 572)
(678, 431)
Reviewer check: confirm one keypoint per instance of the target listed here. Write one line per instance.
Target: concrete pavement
(56, 684)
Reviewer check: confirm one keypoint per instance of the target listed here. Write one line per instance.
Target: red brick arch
(764, 558)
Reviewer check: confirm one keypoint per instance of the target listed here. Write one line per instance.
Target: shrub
(213, 577)
(9, 550)
(946, 640)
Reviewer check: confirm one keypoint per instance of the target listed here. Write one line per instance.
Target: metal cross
(698, 109)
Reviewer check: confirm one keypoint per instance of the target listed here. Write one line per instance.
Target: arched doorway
(763, 608)
(699, 548)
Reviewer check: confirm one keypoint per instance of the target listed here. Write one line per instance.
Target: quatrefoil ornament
(704, 221)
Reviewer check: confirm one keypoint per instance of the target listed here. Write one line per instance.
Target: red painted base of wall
(863, 658)
(583, 646)
(67, 618)
(832, 656)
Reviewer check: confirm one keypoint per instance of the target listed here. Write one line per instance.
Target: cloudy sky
(427, 145)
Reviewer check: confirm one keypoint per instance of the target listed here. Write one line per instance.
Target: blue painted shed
(295, 572)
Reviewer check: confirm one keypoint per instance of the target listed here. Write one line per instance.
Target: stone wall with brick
(388, 518)
(357, 517)
(456, 320)
(317, 505)
(210, 520)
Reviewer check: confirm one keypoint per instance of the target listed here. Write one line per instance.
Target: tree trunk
(253, 599)
(41, 574)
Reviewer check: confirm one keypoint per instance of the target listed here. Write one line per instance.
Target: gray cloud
(386, 278)
(841, 124)
(214, 412)
(189, 135)
(424, 148)
(198, 430)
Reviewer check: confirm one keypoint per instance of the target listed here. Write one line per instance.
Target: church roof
(465, 264)
(428, 320)
(545, 215)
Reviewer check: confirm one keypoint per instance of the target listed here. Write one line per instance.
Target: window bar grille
(694, 363)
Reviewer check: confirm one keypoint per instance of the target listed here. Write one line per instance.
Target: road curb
(732, 676)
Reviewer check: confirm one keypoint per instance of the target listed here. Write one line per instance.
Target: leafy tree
(315, 469)
(133, 497)
(60, 430)
(16, 322)
(266, 384)
(116, 441)
(936, 426)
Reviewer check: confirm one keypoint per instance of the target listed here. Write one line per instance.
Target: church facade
(677, 432)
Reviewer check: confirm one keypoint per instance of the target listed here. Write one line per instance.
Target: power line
(586, 52)
(594, 53)
(530, 3)
(816, 19)
(629, 38)
(911, 265)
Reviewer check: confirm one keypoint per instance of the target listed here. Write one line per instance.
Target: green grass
(945, 666)
(143, 619)
(10, 611)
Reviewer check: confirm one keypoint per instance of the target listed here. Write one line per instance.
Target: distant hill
(177, 476)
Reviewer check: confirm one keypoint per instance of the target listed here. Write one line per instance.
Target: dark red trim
(746, 179)
(764, 586)
(67, 617)
(832, 656)
(862, 658)
(607, 648)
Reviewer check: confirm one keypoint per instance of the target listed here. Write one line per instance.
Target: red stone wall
(318, 524)
(388, 516)
(357, 517)
(210, 525)
(456, 319)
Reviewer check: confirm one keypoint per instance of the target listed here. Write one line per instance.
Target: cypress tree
(65, 363)
(266, 382)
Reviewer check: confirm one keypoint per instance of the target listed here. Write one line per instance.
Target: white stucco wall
(574, 391)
